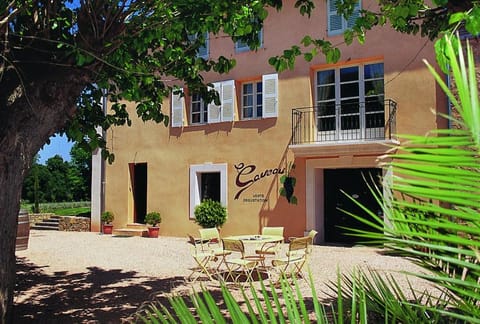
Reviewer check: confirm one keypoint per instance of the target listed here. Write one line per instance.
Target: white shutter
(213, 109)
(228, 100)
(270, 95)
(335, 21)
(176, 117)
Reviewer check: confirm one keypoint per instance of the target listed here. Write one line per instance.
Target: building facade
(323, 125)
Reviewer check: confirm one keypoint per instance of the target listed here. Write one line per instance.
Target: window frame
(256, 102)
(196, 171)
(203, 109)
(337, 100)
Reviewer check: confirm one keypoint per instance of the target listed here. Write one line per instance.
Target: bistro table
(257, 239)
(252, 241)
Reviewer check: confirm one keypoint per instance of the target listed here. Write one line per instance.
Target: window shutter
(203, 50)
(355, 15)
(228, 100)
(178, 104)
(270, 95)
(213, 109)
(335, 21)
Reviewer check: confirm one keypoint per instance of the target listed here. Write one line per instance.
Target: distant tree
(58, 187)
(35, 183)
(81, 171)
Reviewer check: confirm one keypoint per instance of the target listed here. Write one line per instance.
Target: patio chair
(211, 242)
(312, 234)
(202, 260)
(269, 248)
(236, 261)
(292, 263)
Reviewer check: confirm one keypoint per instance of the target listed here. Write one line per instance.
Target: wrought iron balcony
(364, 121)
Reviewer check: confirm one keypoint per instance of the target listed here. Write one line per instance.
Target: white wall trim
(195, 172)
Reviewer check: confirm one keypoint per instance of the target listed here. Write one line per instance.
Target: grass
(78, 211)
(77, 208)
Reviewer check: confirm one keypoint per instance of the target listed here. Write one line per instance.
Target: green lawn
(78, 211)
(81, 208)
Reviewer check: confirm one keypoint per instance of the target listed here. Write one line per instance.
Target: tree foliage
(430, 19)
(59, 60)
(58, 180)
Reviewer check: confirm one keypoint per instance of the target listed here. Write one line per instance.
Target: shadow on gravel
(96, 296)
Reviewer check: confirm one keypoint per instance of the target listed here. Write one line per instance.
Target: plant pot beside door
(107, 219)
(153, 219)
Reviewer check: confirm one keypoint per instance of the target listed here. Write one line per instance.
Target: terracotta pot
(153, 231)
(107, 228)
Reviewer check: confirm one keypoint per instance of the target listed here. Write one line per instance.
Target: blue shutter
(355, 15)
(335, 21)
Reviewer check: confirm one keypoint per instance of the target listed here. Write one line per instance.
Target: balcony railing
(364, 121)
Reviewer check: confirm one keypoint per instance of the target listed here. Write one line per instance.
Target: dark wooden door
(353, 184)
(138, 177)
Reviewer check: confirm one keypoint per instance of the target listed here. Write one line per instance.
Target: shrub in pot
(210, 213)
(153, 219)
(107, 219)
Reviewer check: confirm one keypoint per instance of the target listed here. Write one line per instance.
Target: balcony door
(350, 103)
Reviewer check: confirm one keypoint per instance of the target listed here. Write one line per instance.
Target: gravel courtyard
(77, 277)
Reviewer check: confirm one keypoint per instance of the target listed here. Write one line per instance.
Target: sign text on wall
(246, 176)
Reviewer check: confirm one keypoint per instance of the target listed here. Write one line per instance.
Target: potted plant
(210, 213)
(153, 219)
(107, 219)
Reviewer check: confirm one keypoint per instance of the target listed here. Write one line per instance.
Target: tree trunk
(26, 124)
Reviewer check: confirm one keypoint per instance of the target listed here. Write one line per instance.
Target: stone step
(49, 224)
(137, 226)
(130, 232)
(51, 221)
(40, 226)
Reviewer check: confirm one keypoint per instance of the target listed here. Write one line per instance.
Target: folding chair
(202, 259)
(312, 234)
(236, 261)
(211, 242)
(296, 257)
(270, 248)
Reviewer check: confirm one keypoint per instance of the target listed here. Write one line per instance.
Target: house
(331, 121)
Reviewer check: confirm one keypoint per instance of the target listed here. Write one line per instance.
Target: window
(203, 50)
(207, 181)
(241, 46)
(252, 100)
(198, 110)
(259, 100)
(337, 24)
(350, 102)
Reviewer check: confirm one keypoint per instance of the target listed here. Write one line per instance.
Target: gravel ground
(74, 277)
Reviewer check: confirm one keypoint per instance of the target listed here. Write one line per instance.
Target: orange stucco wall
(263, 143)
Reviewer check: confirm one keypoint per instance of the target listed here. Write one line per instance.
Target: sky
(58, 145)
